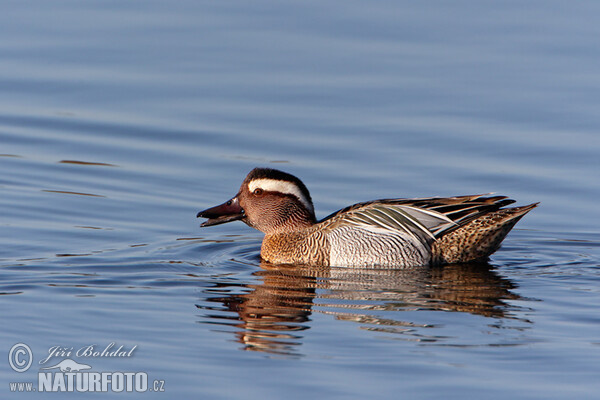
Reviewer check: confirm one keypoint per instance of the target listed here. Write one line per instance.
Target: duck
(396, 233)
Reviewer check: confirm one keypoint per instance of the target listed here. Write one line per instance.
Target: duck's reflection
(267, 316)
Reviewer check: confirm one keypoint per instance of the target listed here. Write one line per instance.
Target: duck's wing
(390, 218)
(424, 218)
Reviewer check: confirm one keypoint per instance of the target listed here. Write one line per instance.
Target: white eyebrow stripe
(274, 185)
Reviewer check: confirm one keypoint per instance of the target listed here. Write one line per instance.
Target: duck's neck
(292, 222)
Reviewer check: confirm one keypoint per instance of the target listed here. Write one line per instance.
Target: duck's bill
(226, 212)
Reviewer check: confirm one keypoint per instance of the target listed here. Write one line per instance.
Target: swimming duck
(380, 233)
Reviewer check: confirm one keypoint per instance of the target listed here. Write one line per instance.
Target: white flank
(274, 185)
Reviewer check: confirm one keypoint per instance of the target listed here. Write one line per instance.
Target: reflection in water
(269, 315)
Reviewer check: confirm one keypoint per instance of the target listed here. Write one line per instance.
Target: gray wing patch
(416, 223)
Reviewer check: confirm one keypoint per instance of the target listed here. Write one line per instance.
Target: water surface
(120, 120)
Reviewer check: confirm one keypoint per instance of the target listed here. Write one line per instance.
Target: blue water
(120, 120)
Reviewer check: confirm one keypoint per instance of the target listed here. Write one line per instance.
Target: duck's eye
(258, 191)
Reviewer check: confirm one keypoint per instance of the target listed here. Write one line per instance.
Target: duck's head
(269, 200)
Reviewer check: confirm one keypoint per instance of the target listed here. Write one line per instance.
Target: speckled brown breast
(309, 247)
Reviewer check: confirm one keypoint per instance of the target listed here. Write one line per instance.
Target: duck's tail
(477, 239)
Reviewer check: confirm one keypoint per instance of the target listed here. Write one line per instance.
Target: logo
(68, 365)
(20, 357)
(69, 375)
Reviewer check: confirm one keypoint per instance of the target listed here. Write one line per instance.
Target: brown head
(269, 200)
